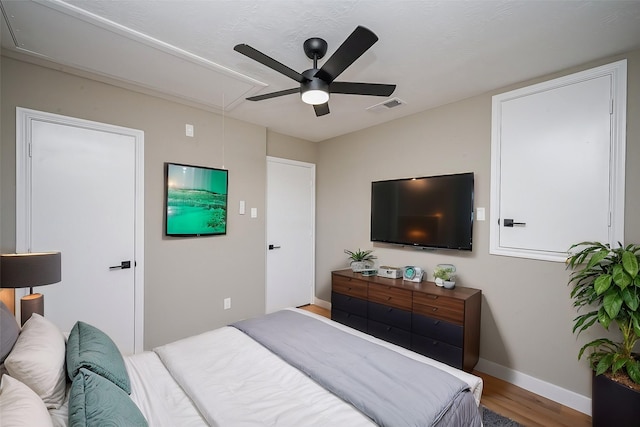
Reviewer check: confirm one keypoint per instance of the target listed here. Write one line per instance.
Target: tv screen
(195, 201)
(431, 212)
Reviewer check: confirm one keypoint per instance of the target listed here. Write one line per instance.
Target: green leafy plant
(444, 273)
(606, 282)
(360, 255)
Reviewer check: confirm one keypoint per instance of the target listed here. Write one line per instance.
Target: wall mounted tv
(427, 212)
(195, 200)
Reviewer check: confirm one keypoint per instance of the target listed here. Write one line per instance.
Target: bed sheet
(160, 399)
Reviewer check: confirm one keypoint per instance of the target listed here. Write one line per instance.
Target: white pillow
(20, 406)
(37, 360)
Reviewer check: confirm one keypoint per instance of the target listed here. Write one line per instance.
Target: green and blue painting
(196, 200)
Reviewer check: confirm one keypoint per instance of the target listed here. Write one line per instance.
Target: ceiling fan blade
(274, 94)
(374, 89)
(353, 47)
(321, 109)
(256, 55)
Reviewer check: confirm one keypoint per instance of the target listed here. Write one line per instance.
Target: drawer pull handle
(435, 309)
(389, 310)
(388, 298)
(349, 289)
(436, 323)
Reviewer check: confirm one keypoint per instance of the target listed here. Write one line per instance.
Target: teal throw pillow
(90, 348)
(96, 402)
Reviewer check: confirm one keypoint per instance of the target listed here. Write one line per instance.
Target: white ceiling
(436, 52)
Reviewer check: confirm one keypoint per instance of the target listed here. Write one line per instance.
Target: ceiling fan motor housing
(315, 48)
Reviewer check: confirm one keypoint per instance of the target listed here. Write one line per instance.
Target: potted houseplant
(605, 281)
(360, 260)
(445, 275)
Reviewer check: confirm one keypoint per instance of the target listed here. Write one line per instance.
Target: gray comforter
(391, 389)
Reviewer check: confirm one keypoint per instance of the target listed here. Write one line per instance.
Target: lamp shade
(30, 269)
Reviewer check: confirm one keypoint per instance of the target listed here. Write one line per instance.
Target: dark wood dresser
(439, 323)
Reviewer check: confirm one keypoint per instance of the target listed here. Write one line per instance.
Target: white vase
(357, 266)
(449, 284)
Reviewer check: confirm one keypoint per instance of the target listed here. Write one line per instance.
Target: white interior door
(83, 202)
(558, 165)
(290, 233)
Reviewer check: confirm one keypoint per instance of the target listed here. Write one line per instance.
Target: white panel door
(554, 168)
(83, 204)
(290, 233)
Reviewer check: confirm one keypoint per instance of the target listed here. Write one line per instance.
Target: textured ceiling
(436, 52)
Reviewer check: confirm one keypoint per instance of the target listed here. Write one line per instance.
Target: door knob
(510, 223)
(123, 265)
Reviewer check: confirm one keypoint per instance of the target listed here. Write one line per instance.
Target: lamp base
(29, 304)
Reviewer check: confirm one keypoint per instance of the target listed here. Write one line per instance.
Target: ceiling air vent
(386, 105)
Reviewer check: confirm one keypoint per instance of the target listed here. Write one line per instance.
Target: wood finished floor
(513, 402)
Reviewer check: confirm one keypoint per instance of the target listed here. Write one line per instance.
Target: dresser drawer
(439, 350)
(440, 307)
(351, 320)
(390, 295)
(390, 315)
(438, 329)
(349, 286)
(389, 333)
(349, 304)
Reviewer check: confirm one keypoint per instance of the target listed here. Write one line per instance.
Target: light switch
(254, 212)
(242, 207)
(188, 129)
(480, 214)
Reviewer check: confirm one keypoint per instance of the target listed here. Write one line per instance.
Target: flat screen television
(427, 212)
(195, 200)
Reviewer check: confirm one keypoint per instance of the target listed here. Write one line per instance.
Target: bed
(289, 368)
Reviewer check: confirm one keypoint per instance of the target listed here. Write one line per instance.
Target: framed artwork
(195, 200)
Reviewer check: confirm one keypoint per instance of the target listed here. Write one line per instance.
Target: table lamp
(27, 271)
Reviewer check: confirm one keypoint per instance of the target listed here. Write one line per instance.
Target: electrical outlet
(227, 303)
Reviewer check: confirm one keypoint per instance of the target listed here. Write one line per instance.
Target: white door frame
(24, 118)
(312, 167)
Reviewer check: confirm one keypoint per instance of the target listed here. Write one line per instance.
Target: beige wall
(186, 279)
(289, 147)
(526, 313)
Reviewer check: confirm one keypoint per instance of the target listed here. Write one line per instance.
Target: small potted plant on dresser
(605, 281)
(360, 260)
(445, 275)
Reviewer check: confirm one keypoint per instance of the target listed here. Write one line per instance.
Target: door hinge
(611, 106)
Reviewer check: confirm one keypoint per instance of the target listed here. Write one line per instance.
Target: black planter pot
(613, 404)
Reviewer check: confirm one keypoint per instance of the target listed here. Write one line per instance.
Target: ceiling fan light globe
(315, 97)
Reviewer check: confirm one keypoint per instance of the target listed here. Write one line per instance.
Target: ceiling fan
(316, 84)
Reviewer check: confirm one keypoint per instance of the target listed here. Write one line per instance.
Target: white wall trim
(322, 303)
(550, 391)
(24, 118)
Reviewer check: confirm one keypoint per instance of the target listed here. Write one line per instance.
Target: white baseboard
(321, 303)
(550, 391)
